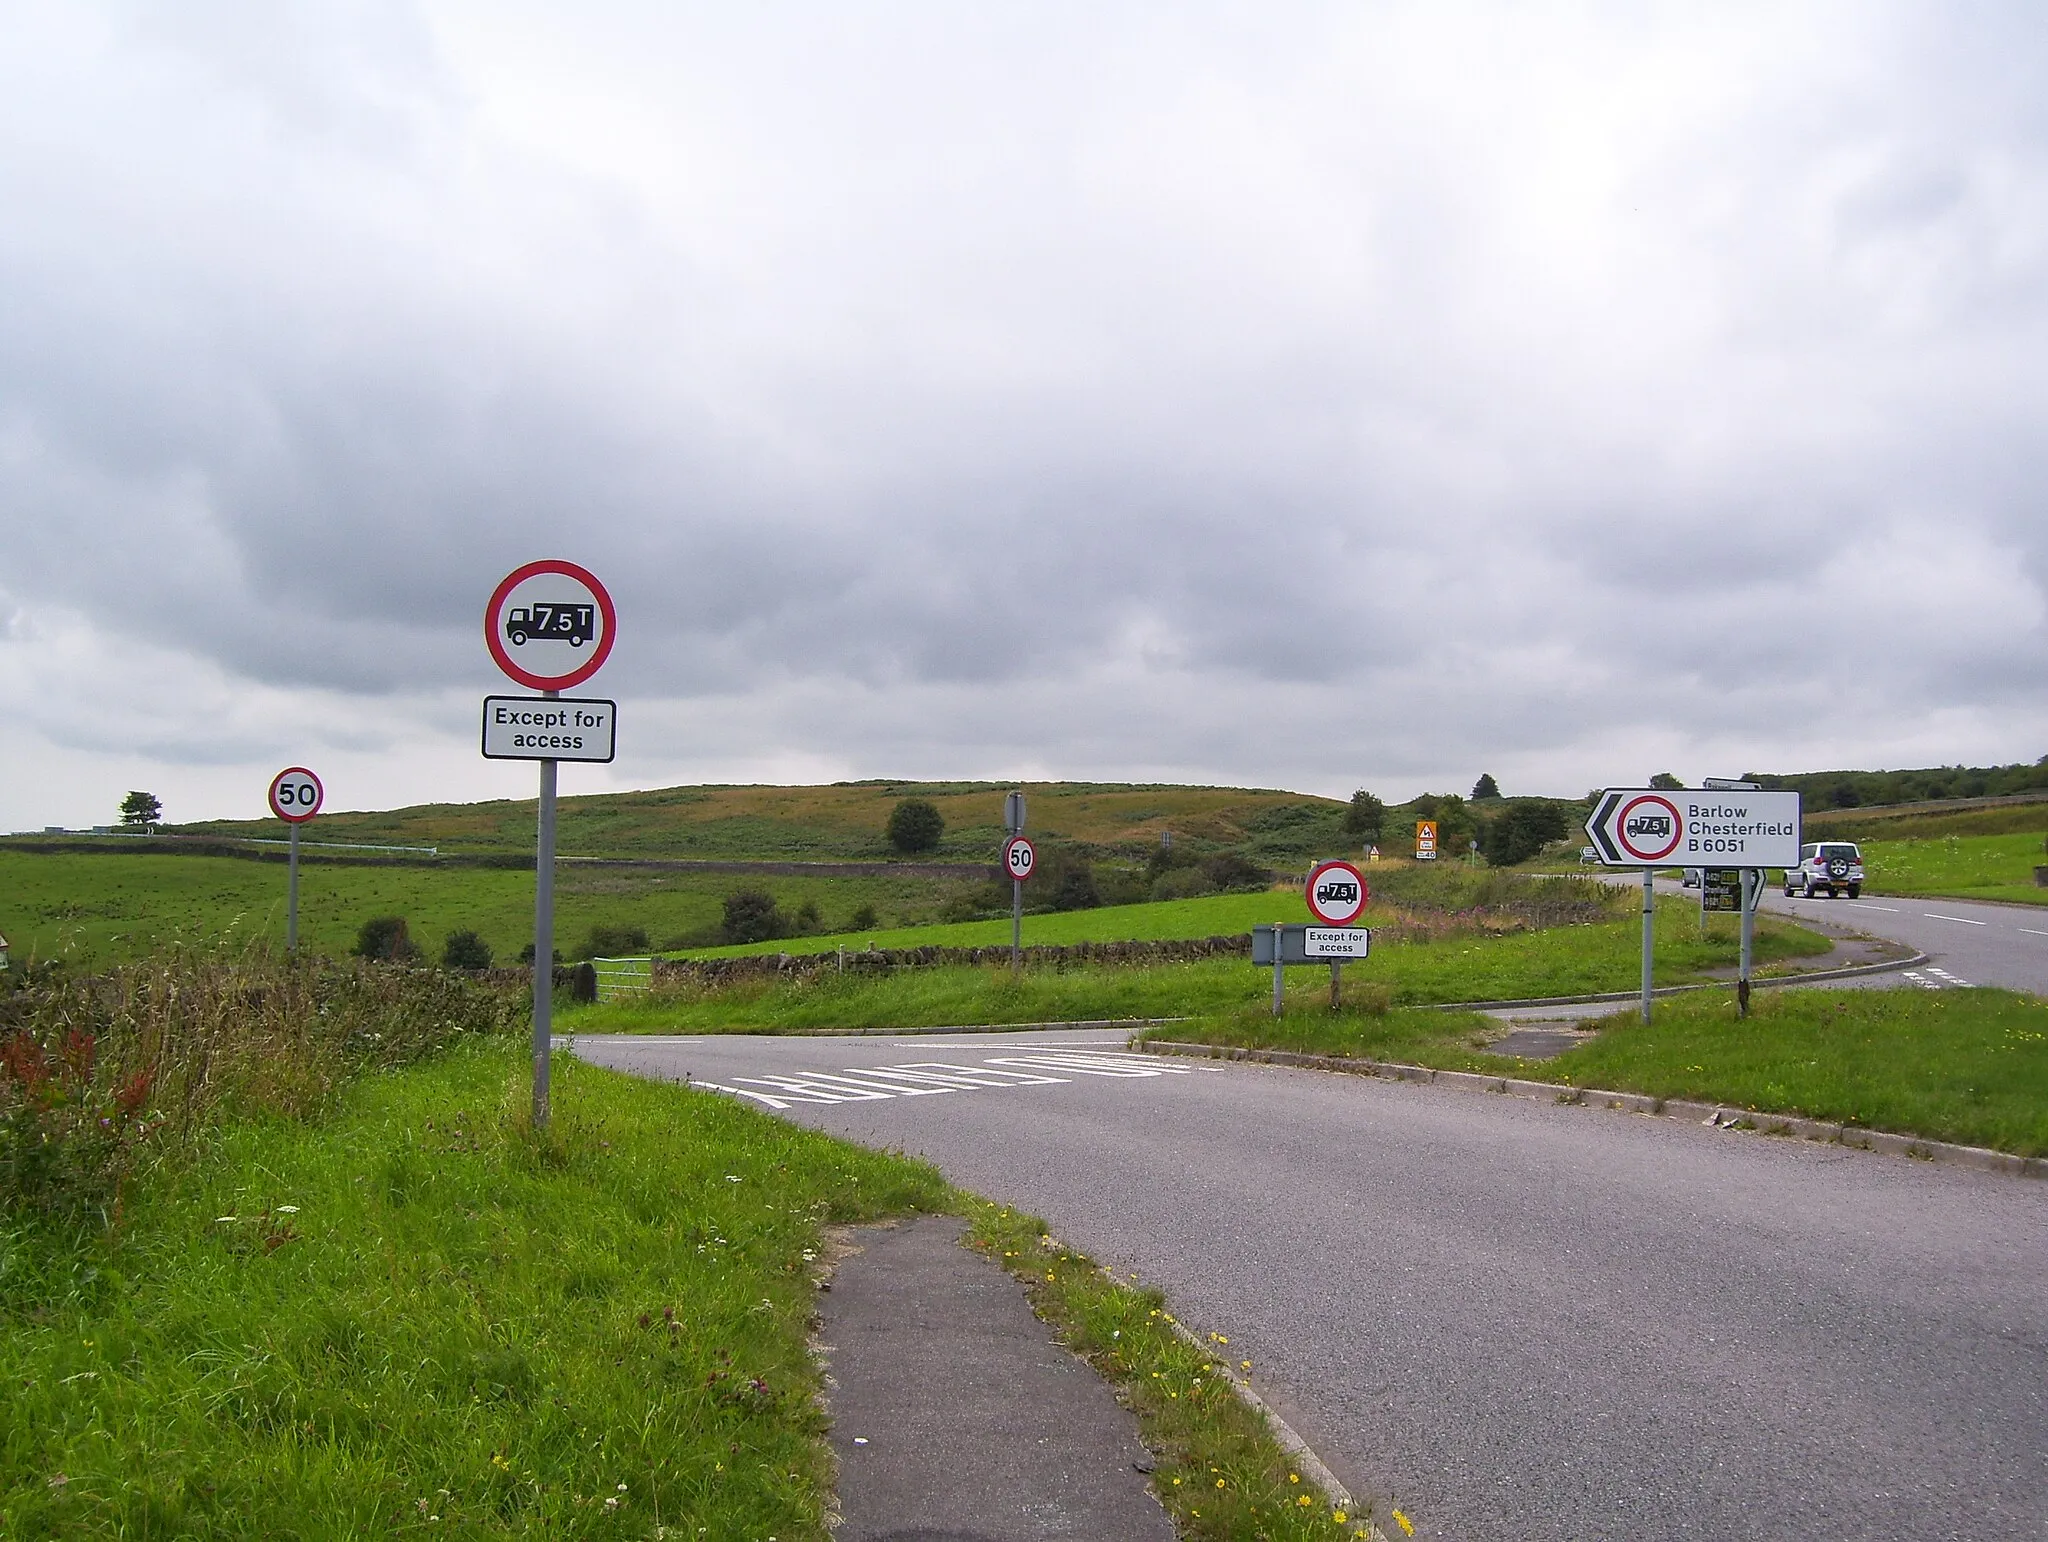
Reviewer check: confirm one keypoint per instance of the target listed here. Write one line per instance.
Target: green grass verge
(1958, 1065)
(1560, 961)
(417, 1318)
(1999, 867)
(1221, 1475)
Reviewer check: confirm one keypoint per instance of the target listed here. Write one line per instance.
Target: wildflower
(1294, 1477)
(1339, 1517)
(287, 1209)
(1407, 1526)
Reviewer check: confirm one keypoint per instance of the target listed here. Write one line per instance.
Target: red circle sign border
(1336, 865)
(581, 672)
(1010, 845)
(297, 819)
(1621, 827)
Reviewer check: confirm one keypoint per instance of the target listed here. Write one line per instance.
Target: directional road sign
(1020, 857)
(295, 795)
(1337, 893)
(549, 728)
(1650, 827)
(550, 625)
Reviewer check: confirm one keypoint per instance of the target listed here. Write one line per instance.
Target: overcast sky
(1288, 395)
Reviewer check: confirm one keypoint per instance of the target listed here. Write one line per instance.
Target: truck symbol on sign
(573, 624)
(1336, 891)
(1649, 824)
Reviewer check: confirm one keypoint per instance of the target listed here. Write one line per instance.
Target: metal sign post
(1020, 858)
(561, 621)
(1734, 826)
(295, 797)
(1337, 896)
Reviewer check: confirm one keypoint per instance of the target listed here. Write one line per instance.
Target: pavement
(957, 1416)
(1514, 1319)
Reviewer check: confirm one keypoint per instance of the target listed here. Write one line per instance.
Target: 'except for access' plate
(549, 728)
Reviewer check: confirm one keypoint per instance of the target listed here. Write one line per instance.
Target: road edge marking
(1713, 1115)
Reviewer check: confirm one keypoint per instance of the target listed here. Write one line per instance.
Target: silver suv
(1826, 866)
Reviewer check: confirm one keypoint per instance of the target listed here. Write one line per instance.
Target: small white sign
(1020, 857)
(1336, 941)
(295, 795)
(549, 728)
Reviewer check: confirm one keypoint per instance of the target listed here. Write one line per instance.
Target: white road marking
(1921, 980)
(1965, 920)
(1865, 905)
(2032, 933)
(923, 1078)
(1948, 979)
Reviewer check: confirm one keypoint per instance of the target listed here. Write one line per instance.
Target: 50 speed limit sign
(295, 795)
(1020, 857)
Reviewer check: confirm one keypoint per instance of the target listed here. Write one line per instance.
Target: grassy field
(1463, 966)
(416, 1317)
(846, 821)
(1999, 867)
(1964, 1065)
(102, 907)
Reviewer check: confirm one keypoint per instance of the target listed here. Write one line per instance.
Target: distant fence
(621, 979)
(719, 971)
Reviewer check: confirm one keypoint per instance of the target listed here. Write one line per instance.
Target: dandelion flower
(1407, 1526)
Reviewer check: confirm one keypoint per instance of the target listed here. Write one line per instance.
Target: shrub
(863, 918)
(613, 939)
(1071, 884)
(1523, 829)
(915, 824)
(98, 1073)
(751, 916)
(465, 950)
(1230, 870)
(809, 919)
(1182, 883)
(386, 939)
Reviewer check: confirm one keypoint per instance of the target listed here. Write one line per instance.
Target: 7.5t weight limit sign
(1337, 893)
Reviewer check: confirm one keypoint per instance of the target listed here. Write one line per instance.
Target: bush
(915, 824)
(614, 939)
(1522, 829)
(863, 918)
(385, 939)
(752, 916)
(1070, 883)
(526, 955)
(465, 950)
(97, 1074)
(1182, 883)
(809, 919)
(1228, 870)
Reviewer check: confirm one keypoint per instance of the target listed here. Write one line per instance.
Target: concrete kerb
(1716, 1116)
(1757, 982)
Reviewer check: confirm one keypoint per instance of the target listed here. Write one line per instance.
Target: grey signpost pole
(1279, 986)
(1752, 896)
(1649, 933)
(291, 900)
(1013, 817)
(544, 940)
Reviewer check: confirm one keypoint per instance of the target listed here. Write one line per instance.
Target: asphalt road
(2002, 945)
(1519, 1321)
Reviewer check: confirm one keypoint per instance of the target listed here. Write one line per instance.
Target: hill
(845, 822)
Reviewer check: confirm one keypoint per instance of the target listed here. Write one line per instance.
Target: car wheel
(1855, 892)
(1831, 891)
(1807, 892)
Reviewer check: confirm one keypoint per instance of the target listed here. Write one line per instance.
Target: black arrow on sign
(1597, 827)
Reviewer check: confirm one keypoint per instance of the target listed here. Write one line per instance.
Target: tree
(751, 915)
(1485, 787)
(1664, 781)
(915, 824)
(141, 810)
(465, 950)
(1522, 829)
(386, 940)
(1365, 816)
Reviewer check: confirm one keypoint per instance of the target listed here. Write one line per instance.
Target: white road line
(1865, 905)
(1921, 980)
(1947, 978)
(1965, 920)
(2032, 933)
(923, 1078)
